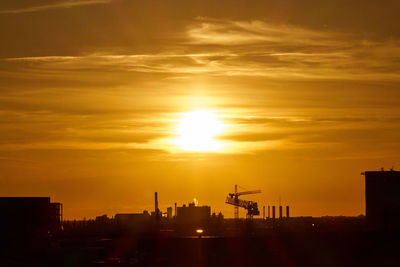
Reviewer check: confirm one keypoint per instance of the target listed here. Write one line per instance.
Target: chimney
(273, 212)
(156, 203)
(287, 211)
(280, 212)
(175, 209)
(263, 212)
(269, 212)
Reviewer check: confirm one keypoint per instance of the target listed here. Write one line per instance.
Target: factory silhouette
(191, 235)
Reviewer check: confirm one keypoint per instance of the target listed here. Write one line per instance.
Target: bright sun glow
(197, 131)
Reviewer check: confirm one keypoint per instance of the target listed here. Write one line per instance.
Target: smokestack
(269, 212)
(156, 203)
(175, 209)
(287, 211)
(263, 212)
(273, 212)
(280, 212)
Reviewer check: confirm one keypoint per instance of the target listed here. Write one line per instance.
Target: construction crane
(250, 206)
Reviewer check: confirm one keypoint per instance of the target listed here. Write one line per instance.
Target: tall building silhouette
(382, 199)
(29, 216)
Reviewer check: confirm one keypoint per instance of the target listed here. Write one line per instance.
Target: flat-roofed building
(193, 215)
(382, 199)
(134, 221)
(29, 216)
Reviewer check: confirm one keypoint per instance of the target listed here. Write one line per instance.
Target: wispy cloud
(335, 65)
(247, 48)
(59, 5)
(254, 48)
(226, 32)
(287, 51)
(218, 50)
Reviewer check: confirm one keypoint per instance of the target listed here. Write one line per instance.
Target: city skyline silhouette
(199, 133)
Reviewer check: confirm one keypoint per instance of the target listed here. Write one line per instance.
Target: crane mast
(250, 206)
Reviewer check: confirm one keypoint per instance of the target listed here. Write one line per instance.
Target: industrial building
(33, 216)
(382, 199)
(193, 215)
(132, 218)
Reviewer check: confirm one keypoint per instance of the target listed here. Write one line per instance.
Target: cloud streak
(256, 48)
(60, 5)
(231, 33)
(218, 50)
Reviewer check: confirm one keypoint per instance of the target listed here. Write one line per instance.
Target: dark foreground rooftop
(269, 249)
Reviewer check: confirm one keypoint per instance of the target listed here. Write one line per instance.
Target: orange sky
(92, 92)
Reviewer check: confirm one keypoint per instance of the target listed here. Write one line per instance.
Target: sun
(197, 130)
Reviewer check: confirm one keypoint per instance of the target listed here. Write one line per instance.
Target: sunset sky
(100, 100)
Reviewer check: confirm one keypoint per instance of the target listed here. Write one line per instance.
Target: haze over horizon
(99, 99)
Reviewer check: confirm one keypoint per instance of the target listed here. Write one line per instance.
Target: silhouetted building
(29, 217)
(132, 218)
(193, 214)
(156, 209)
(382, 199)
(134, 221)
(169, 212)
(102, 219)
(56, 214)
(175, 209)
